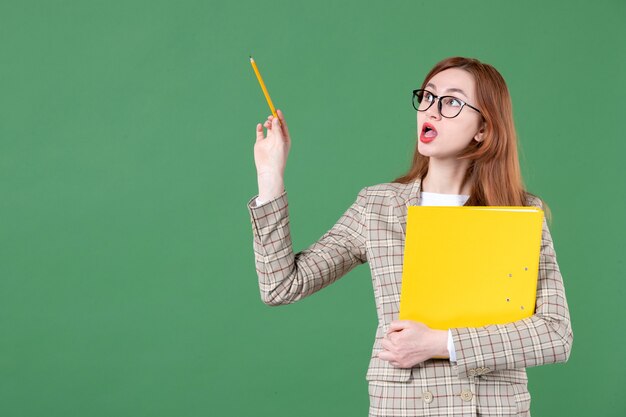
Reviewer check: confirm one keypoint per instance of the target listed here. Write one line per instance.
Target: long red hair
(494, 172)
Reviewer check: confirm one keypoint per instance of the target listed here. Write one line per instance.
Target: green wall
(127, 277)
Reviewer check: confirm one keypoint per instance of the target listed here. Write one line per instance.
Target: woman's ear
(480, 135)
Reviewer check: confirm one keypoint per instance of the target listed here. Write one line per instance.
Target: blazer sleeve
(545, 337)
(285, 277)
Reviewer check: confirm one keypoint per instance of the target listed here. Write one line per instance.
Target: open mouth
(428, 132)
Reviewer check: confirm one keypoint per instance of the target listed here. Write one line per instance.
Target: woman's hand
(270, 155)
(270, 152)
(408, 343)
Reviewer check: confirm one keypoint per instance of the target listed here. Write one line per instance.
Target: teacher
(465, 154)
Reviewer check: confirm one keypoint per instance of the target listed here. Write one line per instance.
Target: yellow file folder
(470, 266)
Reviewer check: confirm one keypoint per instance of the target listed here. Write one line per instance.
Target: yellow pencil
(267, 95)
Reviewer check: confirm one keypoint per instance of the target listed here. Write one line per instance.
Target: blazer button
(484, 370)
(428, 397)
(466, 395)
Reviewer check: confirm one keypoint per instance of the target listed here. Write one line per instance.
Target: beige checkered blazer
(489, 374)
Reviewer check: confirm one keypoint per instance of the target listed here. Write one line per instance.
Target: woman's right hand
(270, 155)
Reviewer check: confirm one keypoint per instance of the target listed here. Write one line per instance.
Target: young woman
(466, 154)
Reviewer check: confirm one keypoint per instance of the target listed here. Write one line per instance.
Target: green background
(127, 276)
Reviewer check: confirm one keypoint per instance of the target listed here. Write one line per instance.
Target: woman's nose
(433, 110)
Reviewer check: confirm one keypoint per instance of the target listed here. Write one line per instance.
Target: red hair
(494, 172)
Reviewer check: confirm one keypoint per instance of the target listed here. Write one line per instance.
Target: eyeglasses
(448, 106)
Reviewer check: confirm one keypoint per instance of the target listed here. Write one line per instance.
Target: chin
(425, 150)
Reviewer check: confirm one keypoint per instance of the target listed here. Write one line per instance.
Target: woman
(466, 154)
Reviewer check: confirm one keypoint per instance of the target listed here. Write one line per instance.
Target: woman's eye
(451, 101)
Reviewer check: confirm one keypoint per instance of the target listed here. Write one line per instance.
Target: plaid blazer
(489, 375)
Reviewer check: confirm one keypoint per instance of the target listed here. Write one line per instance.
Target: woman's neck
(446, 177)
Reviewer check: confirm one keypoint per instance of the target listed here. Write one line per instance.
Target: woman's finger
(386, 344)
(276, 128)
(259, 132)
(281, 116)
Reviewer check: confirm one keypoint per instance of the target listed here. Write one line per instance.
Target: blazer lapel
(409, 196)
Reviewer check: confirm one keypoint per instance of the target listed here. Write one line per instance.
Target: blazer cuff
(264, 215)
(255, 201)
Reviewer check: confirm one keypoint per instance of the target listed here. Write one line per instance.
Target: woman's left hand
(408, 343)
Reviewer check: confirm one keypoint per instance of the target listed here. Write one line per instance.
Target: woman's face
(453, 135)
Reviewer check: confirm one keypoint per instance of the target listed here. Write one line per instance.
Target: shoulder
(386, 194)
(386, 188)
(533, 200)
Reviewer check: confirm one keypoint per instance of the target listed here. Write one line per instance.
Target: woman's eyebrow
(449, 89)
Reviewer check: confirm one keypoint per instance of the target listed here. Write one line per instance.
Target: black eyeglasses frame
(463, 103)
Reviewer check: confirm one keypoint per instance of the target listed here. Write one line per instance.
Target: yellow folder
(470, 266)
